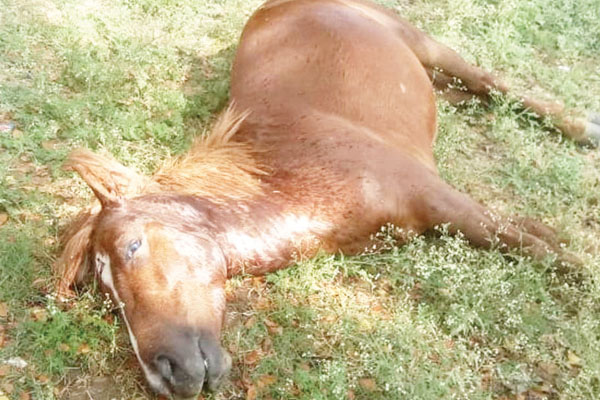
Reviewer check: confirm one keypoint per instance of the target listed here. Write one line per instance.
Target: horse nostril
(164, 366)
(215, 382)
(205, 363)
(182, 371)
(217, 362)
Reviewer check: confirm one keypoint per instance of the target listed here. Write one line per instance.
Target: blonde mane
(215, 167)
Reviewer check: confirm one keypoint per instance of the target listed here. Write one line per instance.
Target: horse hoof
(592, 130)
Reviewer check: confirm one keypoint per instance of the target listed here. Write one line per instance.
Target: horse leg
(443, 64)
(446, 87)
(441, 204)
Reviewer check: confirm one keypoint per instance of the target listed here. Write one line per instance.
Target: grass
(432, 319)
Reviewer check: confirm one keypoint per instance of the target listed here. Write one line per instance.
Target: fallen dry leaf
(3, 218)
(368, 384)
(7, 387)
(329, 318)
(548, 371)
(50, 144)
(266, 345)
(573, 359)
(250, 323)
(39, 283)
(378, 308)
(266, 380)
(233, 348)
(262, 304)
(434, 357)
(304, 367)
(295, 390)
(43, 379)
(64, 347)
(39, 314)
(24, 396)
(132, 362)
(270, 323)
(3, 310)
(543, 389)
(238, 384)
(273, 327)
(28, 216)
(487, 379)
(4, 370)
(83, 349)
(250, 394)
(415, 292)
(252, 357)
(258, 281)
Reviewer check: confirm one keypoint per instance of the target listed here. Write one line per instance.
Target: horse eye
(131, 249)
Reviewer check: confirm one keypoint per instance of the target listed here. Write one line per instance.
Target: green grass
(434, 319)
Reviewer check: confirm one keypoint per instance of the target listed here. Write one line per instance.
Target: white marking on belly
(103, 264)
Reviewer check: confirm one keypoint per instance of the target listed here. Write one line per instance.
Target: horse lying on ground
(328, 137)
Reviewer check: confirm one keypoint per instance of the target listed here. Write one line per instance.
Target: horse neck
(267, 234)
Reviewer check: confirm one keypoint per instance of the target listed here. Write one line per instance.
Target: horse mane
(72, 266)
(215, 167)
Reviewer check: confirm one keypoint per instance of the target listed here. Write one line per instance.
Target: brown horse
(328, 137)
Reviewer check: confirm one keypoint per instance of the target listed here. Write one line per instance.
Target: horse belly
(302, 56)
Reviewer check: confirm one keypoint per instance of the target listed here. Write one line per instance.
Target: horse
(327, 138)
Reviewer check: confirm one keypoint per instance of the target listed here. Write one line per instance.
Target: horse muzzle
(189, 362)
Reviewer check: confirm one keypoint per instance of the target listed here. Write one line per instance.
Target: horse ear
(111, 183)
(110, 180)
